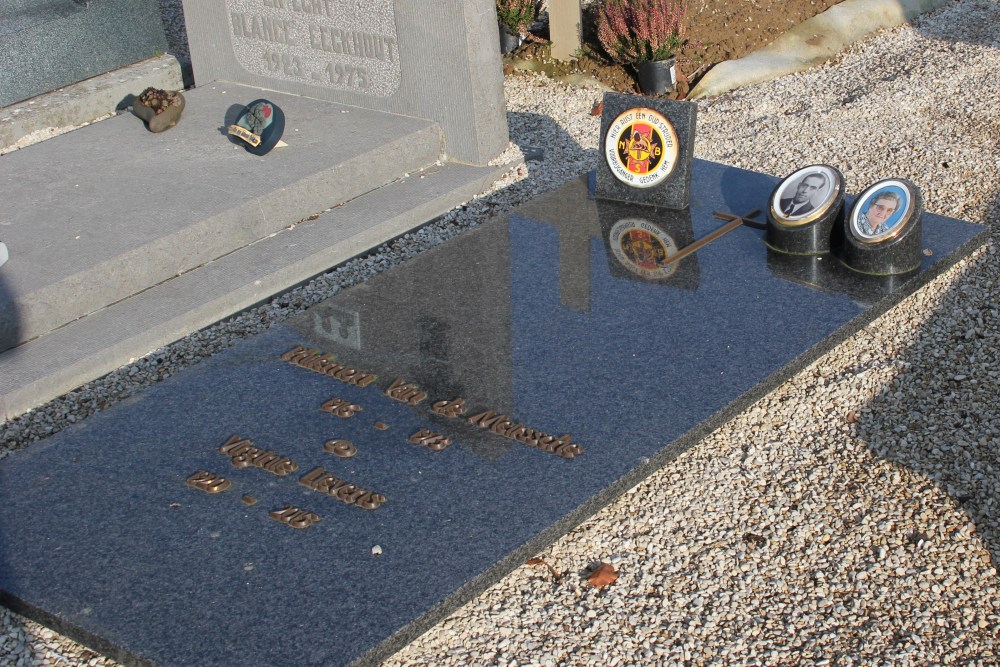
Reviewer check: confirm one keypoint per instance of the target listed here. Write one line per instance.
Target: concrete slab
(104, 539)
(111, 209)
(86, 101)
(54, 364)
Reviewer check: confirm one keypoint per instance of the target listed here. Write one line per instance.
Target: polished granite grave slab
(560, 318)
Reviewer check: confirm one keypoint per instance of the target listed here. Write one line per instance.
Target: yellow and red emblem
(641, 148)
(643, 248)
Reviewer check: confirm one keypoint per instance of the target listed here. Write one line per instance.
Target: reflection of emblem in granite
(641, 147)
(643, 248)
(342, 327)
(208, 482)
(294, 517)
(345, 449)
(882, 212)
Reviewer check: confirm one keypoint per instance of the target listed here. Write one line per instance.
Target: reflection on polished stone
(460, 411)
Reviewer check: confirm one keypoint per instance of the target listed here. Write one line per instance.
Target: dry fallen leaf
(598, 109)
(603, 575)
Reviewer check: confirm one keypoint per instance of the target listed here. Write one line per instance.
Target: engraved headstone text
(339, 44)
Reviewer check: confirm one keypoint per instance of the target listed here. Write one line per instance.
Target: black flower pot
(656, 77)
(508, 40)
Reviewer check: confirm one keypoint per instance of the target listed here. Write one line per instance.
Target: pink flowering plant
(517, 15)
(634, 31)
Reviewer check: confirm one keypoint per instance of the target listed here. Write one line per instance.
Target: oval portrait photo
(805, 195)
(881, 211)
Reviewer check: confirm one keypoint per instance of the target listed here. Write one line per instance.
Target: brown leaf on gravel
(598, 109)
(603, 575)
(852, 417)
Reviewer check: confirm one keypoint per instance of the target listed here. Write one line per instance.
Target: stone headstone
(493, 393)
(47, 44)
(432, 59)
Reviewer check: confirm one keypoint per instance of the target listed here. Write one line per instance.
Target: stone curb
(812, 42)
(83, 102)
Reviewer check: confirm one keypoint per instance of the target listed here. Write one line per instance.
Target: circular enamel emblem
(643, 248)
(641, 148)
(806, 195)
(881, 212)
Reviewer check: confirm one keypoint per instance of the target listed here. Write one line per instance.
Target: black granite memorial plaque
(322, 493)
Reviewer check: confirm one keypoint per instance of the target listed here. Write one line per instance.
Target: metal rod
(735, 221)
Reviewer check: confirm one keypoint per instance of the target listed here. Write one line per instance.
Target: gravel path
(852, 517)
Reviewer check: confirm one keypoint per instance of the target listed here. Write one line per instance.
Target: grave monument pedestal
(122, 241)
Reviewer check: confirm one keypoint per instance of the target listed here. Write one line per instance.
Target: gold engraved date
(430, 440)
(208, 482)
(294, 517)
(342, 448)
(341, 408)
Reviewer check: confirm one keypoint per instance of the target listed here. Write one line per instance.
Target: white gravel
(849, 518)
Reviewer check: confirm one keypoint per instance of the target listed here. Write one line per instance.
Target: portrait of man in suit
(802, 200)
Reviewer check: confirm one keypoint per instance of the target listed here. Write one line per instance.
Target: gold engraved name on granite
(294, 517)
(208, 482)
(449, 408)
(342, 448)
(502, 425)
(244, 455)
(405, 392)
(320, 480)
(432, 441)
(320, 362)
(341, 408)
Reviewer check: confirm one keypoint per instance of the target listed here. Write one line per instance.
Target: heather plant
(517, 15)
(634, 31)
